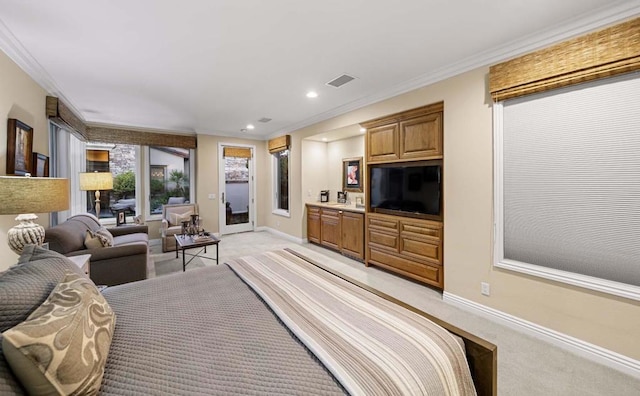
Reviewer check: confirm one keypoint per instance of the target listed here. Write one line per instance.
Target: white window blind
(568, 185)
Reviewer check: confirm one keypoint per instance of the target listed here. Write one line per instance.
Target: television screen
(412, 189)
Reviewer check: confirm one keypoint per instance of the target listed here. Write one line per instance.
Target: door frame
(222, 224)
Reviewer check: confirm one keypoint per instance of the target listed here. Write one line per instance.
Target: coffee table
(185, 242)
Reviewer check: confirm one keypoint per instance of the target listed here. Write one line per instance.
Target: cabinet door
(313, 224)
(382, 143)
(330, 233)
(353, 234)
(421, 137)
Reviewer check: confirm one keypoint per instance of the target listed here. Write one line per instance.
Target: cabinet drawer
(384, 240)
(421, 249)
(430, 273)
(313, 210)
(330, 213)
(424, 229)
(383, 223)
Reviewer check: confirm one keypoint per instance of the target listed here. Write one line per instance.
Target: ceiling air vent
(264, 119)
(340, 81)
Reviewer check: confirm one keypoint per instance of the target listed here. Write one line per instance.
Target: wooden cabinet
(336, 229)
(411, 247)
(404, 244)
(330, 228)
(353, 234)
(313, 224)
(383, 143)
(412, 135)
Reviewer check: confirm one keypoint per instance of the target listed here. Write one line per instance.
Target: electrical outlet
(212, 196)
(277, 224)
(485, 289)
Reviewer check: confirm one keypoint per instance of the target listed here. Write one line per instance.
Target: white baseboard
(582, 348)
(280, 234)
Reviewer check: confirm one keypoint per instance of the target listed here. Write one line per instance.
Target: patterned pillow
(62, 347)
(176, 219)
(104, 236)
(91, 241)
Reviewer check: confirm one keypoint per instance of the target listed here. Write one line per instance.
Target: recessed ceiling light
(324, 139)
(363, 130)
(243, 130)
(312, 94)
(250, 126)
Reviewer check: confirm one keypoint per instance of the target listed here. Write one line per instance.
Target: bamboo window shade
(605, 53)
(280, 143)
(238, 152)
(61, 114)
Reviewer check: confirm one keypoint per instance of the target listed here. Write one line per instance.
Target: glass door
(236, 189)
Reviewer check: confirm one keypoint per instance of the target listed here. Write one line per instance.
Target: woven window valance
(238, 152)
(58, 112)
(605, 53)
(280, 143)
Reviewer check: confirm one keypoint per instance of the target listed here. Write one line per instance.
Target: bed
(274, 323)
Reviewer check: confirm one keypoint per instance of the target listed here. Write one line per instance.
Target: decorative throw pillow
(63, 345)
(24, 286)
(91, 241)
(177, 218)
(104, 236)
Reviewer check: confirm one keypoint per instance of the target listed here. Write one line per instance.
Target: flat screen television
(412, 189)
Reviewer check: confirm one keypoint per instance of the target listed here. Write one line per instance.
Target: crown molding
(580, 25)
(14, 49)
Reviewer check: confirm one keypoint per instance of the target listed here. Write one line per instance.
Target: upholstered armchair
(172, 218)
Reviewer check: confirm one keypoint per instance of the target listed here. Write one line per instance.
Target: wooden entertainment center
(408, 244)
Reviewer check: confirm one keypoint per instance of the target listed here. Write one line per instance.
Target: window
(169, 177)
(120, 161)
(568, 185)
(281, 182)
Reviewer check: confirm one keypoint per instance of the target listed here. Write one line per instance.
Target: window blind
(571, 179)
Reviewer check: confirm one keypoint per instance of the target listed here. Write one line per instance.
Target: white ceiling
(213, 66)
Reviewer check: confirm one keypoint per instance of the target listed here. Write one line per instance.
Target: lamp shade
(33, 194)
(92, 181)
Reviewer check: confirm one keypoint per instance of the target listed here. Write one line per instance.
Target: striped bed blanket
(372, 346)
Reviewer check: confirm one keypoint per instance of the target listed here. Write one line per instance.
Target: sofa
(127, 260)
(172, 217)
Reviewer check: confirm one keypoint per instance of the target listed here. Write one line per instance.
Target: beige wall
(336, 152)
(23, 99)
(606, 321)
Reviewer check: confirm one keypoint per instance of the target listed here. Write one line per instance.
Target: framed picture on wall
(352, 174)
(40, 165)
(19, 147)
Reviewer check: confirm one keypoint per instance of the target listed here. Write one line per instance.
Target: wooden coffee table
(185, 242)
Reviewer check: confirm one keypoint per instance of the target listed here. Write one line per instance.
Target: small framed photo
(40, 165)
(342, 196)
(19, 147)
(121, 217)
(352, 174)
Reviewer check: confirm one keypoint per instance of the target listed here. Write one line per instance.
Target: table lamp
(22, 195)
(90, 181)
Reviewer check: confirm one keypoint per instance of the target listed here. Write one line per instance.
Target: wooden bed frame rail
(481, 354)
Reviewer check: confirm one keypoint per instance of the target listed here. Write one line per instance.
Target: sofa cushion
(62, 347)
(176, 219)
(130, 238)
(105, 237)
(91, 241)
